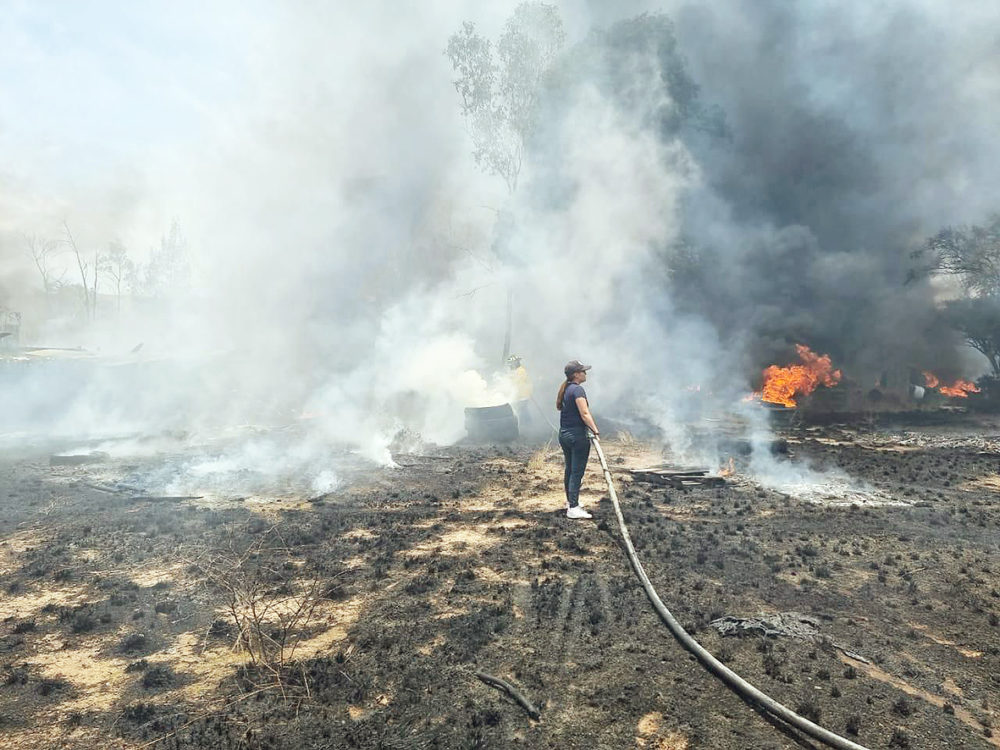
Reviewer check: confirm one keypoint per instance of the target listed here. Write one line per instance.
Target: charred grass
(466, 562)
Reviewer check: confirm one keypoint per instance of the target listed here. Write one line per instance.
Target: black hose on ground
(713, 665)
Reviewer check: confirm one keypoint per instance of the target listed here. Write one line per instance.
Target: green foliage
(511, 87)
(472, 58)
(499, 84)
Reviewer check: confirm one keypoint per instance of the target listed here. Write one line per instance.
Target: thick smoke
(316, 161)
(856, 132)
(695, 199)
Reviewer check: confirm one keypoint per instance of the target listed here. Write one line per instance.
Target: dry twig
(512, 691)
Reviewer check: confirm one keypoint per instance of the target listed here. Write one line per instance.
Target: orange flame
(959, 389)
(729, 469)
(781, 384)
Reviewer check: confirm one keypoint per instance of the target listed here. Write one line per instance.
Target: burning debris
(783, 384)
(959, 389)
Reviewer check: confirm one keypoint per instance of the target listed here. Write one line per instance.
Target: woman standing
(574, 421)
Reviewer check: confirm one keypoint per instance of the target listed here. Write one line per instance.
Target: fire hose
(732, 680)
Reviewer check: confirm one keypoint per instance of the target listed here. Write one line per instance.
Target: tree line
(61, 262)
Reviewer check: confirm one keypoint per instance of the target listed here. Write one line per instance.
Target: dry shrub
(540, 457)
(269, 602)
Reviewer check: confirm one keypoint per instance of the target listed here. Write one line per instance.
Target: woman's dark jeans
(576, 449)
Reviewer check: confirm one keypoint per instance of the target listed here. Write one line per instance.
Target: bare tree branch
(81, 265)
(42, 252)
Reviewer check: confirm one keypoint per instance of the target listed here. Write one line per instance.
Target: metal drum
(491, 424)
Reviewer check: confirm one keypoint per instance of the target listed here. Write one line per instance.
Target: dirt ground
(357, 618)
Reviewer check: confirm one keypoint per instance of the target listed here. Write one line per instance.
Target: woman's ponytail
(562, 392)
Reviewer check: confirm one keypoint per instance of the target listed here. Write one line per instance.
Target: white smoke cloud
(346, 265)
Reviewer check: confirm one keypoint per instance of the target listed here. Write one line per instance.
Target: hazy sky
(99, 86)
(120, 108)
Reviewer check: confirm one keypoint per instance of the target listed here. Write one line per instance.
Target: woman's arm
(584, 409)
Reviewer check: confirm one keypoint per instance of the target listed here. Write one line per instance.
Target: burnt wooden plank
(671, 472)
(699, 478)
(675, 469)
(653, 478)
(703, 482)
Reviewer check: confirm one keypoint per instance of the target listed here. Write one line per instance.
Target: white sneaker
(577, 512)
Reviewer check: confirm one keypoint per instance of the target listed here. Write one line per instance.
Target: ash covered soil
(365, 612)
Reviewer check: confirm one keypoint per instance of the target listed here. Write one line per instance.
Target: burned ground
(118, 629)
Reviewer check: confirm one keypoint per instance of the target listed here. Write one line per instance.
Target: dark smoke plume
(841, 137)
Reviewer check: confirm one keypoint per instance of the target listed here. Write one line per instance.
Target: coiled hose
(713, 665)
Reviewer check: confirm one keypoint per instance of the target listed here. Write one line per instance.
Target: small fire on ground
(782, 385)
(959, 389)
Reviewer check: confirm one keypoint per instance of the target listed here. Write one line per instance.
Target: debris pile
(678, 477)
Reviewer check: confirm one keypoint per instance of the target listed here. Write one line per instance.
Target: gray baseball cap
(573, 366)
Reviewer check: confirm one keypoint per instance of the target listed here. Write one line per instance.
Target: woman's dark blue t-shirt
(569, 418)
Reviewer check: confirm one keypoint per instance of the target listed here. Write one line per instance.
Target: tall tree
(118, 267)
(89, 299)
(978, 320)
(167, 271)
(499, 84)
(972, 254)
